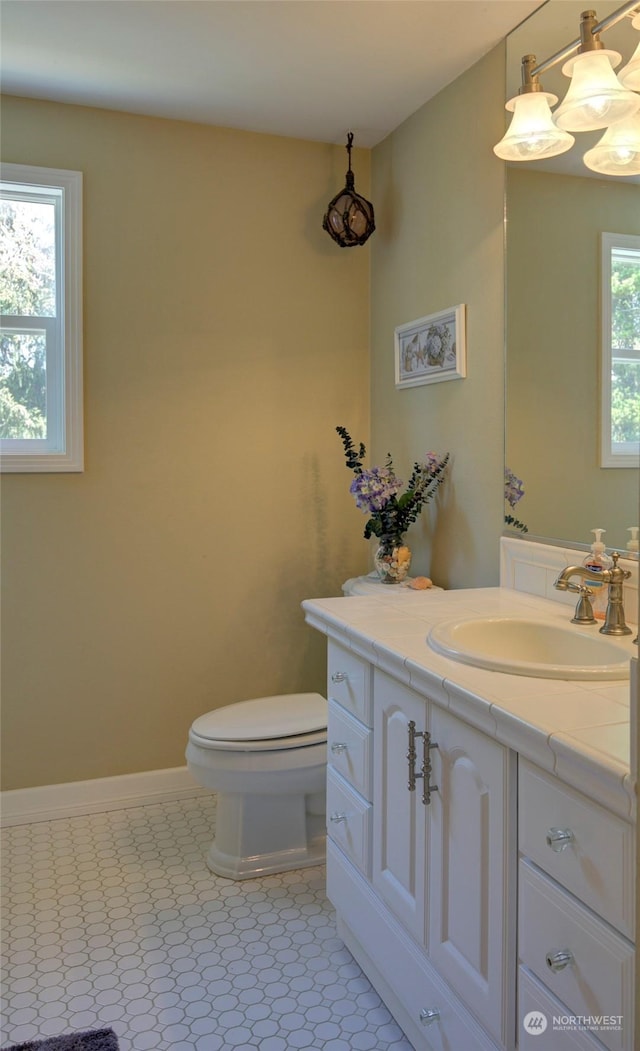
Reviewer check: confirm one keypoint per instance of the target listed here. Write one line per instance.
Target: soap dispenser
(634, 543)
(597, 561)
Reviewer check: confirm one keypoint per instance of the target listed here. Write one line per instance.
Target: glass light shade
(618, 151)
(595, 98)
(629, 75)
(532, 135)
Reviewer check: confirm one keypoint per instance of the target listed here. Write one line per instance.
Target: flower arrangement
(377, 490)
(513, 492)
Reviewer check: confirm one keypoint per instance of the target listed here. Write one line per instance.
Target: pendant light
(595, 98)
(629, 75)
(618, 151)
(349, 219)
(532, 135)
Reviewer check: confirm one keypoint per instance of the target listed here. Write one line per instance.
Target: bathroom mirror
(556, 212)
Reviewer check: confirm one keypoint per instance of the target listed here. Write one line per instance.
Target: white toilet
(267, 761)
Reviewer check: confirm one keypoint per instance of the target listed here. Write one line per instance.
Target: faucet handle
(584, 610)
(624, 573)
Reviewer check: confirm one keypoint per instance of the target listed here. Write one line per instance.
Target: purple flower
(431, 462)
(513, 487)
(374, 488)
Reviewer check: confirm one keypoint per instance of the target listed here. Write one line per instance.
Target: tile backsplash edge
(528, 566)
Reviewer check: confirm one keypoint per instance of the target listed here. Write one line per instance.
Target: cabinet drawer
(349, 749)
(539, 1008)
(596, 862)
(349, 821)
(349, 682)
(598, 979)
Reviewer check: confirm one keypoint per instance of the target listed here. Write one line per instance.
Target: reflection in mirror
(620, 350)
(556, 213)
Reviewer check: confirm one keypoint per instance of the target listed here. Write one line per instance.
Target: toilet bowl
(266, 759)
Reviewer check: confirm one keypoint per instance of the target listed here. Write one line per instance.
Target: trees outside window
(41, 324)
(620, 350)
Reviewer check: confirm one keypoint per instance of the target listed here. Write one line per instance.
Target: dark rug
(91, 1040)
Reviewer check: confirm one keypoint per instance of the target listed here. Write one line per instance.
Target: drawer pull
(337, 817)
(559, 959)
(429, 1015)
(425, 774)
(559, 839)
(338, 747)
(339, 676)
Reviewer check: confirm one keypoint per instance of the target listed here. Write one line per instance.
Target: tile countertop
(577, 729)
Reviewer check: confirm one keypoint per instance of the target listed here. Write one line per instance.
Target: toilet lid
(264, 718)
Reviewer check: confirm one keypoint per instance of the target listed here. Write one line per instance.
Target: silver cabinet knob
(429, 1015)
(558, 959)
(339, 676)
(338, 747)
(559, 839)
(336, 817)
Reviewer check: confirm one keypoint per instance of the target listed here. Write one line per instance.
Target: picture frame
(431, 349)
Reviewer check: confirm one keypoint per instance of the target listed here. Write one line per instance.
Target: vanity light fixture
(629, 75)
(596, 99)
(618, 151)
(532, 134)
(349, 218)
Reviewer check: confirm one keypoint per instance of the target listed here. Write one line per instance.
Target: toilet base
(257, 835)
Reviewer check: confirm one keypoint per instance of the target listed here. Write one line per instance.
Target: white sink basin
(531, 647)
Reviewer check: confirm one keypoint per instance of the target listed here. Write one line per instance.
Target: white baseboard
(24, 806)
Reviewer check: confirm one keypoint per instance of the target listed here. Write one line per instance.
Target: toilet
(266, 759)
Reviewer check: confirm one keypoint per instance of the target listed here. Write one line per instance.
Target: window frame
(612, 454)
(63, 448)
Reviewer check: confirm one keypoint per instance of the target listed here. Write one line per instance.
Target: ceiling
(311, 69)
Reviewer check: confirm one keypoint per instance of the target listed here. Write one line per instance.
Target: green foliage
(27, 259)
(18, 422)
(625, 401)
(625, 306)
(625, 342)
(353, 456)
(27, 289)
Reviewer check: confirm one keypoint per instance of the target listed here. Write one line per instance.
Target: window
(41, 319)
(620, 413)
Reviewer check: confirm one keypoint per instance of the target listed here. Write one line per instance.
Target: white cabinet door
(471, 884)
(399, 835)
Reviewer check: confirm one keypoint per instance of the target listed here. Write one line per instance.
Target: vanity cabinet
(472, 886)
(420, 832)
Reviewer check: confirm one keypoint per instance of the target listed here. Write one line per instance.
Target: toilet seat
(282, 722)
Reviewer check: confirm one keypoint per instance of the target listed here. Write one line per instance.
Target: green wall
(439, 191)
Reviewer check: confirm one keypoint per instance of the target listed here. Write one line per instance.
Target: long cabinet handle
(425, 773)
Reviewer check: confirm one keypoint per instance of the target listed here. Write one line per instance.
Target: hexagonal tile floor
(115, 920)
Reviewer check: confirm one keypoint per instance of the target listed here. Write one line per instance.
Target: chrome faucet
(614, 623)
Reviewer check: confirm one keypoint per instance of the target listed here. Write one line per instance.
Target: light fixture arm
(588, 39)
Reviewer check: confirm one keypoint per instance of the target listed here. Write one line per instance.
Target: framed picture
(431, 349)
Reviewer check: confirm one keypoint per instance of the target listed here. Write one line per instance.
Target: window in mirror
(620, 415)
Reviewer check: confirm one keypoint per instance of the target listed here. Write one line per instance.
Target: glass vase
(392, 560)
